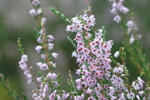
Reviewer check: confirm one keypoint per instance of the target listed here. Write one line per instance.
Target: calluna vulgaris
(100, 75)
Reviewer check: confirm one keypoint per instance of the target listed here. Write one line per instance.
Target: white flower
(131, 95)
(50, 38)
(51, 76)
(24, 58)
(41, 32)
(130, 24)
(91, 21)
(53, 64)
(87, 27)
(43, 56)
(117, 18)
(34, 96)
(50, 46)
(135, 85)
(43, 20)
(79, 97)
(71, 28)
(39, 64)
(91, 98)
(44, 67)
(74, 54)
(118, 70)
(38, 49)
(39, 39)
(23, 65)
(55, 55)
(32, 12)
(116, 55)
(65, 95)
(35, 3)
(141, 93)
(132, 39)
(114, 11)
(98, 35)
(39, 79)
(75, 20)
(141, 82)
(28, 75)
(138, 97)
(124, 10)
(39, 11)
(79, 27)
(78, 81)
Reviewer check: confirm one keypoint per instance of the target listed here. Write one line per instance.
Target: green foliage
(104, 32)
(71, 41)
(72, 84)
(24, 96)
(20, 46)
(5, 83)
(60, 15)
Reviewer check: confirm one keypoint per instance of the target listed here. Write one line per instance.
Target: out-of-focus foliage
(16, 22)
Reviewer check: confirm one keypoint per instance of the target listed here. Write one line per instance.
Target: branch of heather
(132, 44)
(97, 78)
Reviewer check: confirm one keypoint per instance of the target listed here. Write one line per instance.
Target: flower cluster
(97, 79)
(47, 84)
(23, 65)
(35, 12)
(137, 87)
(117, 9)
(78, 26)
(131, 28)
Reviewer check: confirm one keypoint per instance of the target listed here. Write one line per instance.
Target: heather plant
(102, 74)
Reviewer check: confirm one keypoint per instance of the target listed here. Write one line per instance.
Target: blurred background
(15, 22)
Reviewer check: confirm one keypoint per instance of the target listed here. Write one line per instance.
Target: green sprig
(20, 46)
(72, 83)
(60, 15)
(24, 96)
(6, 85)
(71, 41)
(104, 32)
